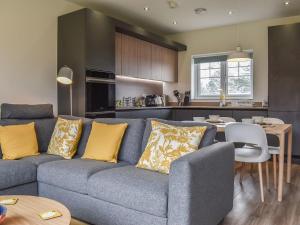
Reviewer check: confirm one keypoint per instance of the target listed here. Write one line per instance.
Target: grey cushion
(207, 140)
(42, 158)
(16, 172)
(71, 174)
(133, 188)
(13, 111)
(44, 129)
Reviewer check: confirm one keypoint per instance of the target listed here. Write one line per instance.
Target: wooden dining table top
(275, 129)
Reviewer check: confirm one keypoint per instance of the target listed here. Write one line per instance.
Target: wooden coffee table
(26, 211)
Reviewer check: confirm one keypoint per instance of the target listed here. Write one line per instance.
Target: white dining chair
(274, 150)
(252, 134)
(227, 119)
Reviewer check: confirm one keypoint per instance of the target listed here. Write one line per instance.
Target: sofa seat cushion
(72, 174)
(133, 188)
(42, 158)
(16, 172)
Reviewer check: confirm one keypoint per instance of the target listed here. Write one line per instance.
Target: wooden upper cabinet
(169, 65)
(144, 59)
(156, 62)
(129, 56)
(118, 53)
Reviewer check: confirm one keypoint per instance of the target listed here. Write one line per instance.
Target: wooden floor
(248, 209)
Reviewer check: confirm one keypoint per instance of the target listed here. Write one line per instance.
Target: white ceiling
(160, 17)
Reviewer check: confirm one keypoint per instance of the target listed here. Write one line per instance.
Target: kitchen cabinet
(169, 65)
(118, 37)
(144, 59)
(86, 42)
(156, 62)
(100, 43)
(284, 79)
(129, 56)
(145, 113)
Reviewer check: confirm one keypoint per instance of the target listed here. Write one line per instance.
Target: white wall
(253, 35)
(28, 49)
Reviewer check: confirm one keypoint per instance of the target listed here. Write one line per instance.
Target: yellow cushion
(104, 141)
(168, 143)
(65, 138)
(18, 141)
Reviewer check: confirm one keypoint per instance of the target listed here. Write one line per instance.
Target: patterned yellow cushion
(168, 143)
(65, 138)
(18, 141)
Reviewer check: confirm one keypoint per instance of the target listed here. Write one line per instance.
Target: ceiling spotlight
(175, 22)
(146, 8)
(230, 13)
(173, 4)
(286, 2)
(200, 10)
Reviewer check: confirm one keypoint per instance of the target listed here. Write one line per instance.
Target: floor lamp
(65, 76)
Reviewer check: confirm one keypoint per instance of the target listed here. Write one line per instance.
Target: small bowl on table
(3, 211)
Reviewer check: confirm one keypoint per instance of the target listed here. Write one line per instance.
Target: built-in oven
(100, 94)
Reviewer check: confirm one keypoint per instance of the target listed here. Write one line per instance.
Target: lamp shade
(238, 56)
(65, 75)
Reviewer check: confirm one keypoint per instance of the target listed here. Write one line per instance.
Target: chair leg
(268, 177)
(275, 171)
(242, 173)
(261, 182)
(251, 169)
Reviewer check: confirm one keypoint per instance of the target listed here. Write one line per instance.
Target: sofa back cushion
(16, 111)
(41, 115)
(130, 150)
(207, 139)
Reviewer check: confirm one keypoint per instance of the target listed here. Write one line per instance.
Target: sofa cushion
(207, 139)
(42, 158)
(44, 129)
(72, 174)
(22, 111)
(16, 172)
(133, 188)
(130, 150)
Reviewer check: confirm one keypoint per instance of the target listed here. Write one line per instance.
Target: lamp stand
(71, 99)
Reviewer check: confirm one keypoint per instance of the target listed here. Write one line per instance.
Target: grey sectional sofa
(198, 191)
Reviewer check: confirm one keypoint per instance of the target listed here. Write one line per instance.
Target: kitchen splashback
(136, 88)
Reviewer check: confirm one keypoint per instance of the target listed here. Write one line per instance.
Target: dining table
(281, 131)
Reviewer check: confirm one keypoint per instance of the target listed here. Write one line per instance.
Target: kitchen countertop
(195, 107)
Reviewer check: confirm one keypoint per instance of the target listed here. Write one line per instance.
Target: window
(212, 73)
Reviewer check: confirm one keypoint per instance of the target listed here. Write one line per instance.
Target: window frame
(195, 82)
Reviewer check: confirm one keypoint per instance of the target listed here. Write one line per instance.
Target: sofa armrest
(201, 186)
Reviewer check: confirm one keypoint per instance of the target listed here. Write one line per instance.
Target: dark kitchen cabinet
(284, 77)
(100, 42)
(86, 44)
(145, 113)
(118, 53)
(284, 68)
(241, 114)
(188, 114)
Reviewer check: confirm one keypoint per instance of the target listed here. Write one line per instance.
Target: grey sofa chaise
(198, 190)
